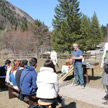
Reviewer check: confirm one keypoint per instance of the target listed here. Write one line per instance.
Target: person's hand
(73, 58)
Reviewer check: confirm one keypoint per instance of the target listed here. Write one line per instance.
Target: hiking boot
(105, 103)
(105, 97)
(82, 87)
(75, 85)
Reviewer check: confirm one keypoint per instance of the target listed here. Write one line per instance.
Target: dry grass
(96, 83)
(70, 103)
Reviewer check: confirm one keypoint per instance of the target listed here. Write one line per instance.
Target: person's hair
(49, 63)
(67, 62)
(23, 63)
(76, 44)
(26, 62)
(14, 62)
(14, 67)
(17, 63)
(33, 62)
(7, 62)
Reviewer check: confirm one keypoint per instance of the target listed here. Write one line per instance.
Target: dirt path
(88, 95)
(5, 102)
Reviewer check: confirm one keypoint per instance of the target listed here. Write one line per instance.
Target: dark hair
(14, 67)
(26, 62)
(7, 62)
(49, 63)
(23, 63)
(33, 61)
(14, 62)
(17, 63)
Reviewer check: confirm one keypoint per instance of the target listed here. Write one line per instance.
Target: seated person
(28, 79)
(48, 85)
(3, 68)
(68, 62)
(23, 63)
(65, 68)
(7, 63)
(17, 63)
(12, 76)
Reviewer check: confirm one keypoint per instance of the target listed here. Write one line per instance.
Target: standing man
(77, 63)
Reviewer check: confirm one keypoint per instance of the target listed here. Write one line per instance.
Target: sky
(44, 9)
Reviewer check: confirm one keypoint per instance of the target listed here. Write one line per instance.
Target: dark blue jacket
(29, 83)
(3, 70)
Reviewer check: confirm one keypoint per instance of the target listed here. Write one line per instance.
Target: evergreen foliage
(96, 33)
(104, 30)
(70, 26)
(24, 24)
(85, 41)
(66, 25)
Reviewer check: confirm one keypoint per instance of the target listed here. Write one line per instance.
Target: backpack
(106, 65)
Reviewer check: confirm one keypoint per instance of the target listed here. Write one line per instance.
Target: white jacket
(7, 74)
(47, 83)
(104, 54)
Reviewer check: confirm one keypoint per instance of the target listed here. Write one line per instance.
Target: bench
(14, 93)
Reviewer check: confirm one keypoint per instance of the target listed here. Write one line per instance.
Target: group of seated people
(44, 86)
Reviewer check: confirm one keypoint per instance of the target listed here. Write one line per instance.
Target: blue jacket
(12, 79)
(29, 83)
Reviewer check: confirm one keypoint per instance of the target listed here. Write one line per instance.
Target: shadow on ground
(71, 105)
(4, 88)
(69, 78)
(95, 78)
(59, 72)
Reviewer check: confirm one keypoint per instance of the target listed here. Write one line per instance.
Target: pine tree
(104, 30)
(85, 42)
(96, 33)
(66, 25)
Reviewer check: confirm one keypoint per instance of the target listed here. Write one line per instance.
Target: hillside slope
(12, 17)
(19, 33)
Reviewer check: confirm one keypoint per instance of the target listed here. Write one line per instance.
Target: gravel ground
(88, 95)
